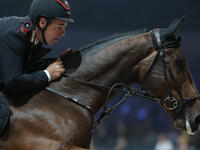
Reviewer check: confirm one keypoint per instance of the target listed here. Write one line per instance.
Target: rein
(170, 102)
(128, 90)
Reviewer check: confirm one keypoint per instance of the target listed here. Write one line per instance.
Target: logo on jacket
(26, 27)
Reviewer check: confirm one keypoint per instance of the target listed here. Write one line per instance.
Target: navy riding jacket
(18, 57)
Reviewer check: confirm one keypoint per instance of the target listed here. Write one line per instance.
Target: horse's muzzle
(190, 125)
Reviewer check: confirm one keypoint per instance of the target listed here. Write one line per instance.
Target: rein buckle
(170, 103)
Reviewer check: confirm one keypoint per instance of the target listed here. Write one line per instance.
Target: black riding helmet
(50, 9)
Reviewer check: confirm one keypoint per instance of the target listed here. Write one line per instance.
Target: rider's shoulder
(13, 32)
(15, 25)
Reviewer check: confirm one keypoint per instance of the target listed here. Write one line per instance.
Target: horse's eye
(180, 63)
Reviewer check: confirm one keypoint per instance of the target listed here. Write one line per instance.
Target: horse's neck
(105, 67)
(106, 64)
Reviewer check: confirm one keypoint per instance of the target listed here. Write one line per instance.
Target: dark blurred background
(137, 124)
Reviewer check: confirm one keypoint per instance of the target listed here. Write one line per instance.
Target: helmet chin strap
(43, 36)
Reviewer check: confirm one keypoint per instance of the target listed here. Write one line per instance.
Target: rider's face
(55, 31)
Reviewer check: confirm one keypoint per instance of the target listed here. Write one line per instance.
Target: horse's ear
(176, 24)
(171, 30)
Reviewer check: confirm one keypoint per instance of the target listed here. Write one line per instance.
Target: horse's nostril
(197, 120)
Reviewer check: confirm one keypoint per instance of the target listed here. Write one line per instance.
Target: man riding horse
(21, 40)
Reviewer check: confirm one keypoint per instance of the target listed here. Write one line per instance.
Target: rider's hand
(56, 69)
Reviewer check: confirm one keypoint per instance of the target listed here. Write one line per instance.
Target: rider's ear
(42, 22)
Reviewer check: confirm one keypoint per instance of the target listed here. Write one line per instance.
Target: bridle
(170, 102)
(173, 42)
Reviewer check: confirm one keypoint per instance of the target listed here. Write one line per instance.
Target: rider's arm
(12, 55)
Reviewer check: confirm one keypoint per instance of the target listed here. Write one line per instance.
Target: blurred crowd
(139, 124)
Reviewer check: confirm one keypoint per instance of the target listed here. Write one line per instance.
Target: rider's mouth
(56, 39)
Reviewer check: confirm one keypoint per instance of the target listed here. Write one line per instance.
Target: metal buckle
(172, 102)
(157, 36)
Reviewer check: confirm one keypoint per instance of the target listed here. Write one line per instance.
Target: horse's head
(165, 75)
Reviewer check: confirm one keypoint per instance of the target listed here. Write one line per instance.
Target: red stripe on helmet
(67, 8)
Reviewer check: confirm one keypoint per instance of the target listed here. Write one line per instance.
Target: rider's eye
(58, 28)
(180, 63)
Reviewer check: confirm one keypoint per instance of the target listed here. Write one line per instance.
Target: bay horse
(61, 117)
